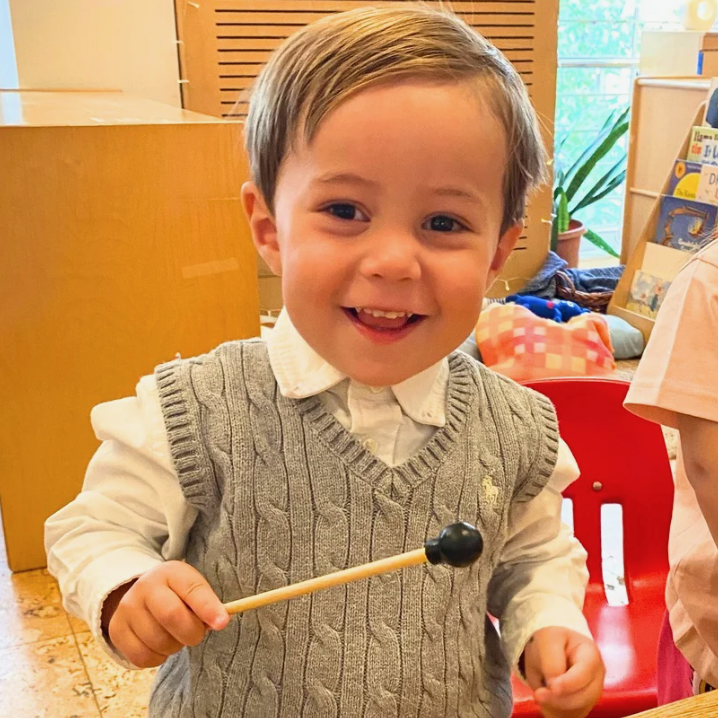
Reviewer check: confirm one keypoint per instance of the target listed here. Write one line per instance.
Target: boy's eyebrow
(346, 177)
(350, 177)
(455, 192)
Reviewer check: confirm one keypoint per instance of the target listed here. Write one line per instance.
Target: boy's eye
(443, 223)
(346, 211)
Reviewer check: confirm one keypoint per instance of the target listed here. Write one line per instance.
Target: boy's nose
(392, 258)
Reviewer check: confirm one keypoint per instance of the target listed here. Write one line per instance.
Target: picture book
(684, 223)
(684, 179)
(662, 262)
(703, 145)
(707, 190)
(647, 293)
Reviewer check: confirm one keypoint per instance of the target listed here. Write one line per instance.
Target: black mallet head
(458, 545)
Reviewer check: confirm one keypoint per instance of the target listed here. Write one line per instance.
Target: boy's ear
(506, 245)
(262, 226)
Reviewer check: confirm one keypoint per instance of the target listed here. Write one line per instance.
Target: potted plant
(569, 198)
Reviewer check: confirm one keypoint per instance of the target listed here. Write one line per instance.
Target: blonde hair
(326, 62)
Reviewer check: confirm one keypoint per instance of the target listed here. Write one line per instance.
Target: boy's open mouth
(381, 320)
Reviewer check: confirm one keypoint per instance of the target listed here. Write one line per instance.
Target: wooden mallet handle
(459, 545)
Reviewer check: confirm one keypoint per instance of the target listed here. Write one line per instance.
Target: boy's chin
(383, 375)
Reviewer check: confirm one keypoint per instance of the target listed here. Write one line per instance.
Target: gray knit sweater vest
(284, 493)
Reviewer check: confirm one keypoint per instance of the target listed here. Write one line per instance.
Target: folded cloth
(599, 279)
(515, 342)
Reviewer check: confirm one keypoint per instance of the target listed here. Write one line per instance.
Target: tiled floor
(50, 666)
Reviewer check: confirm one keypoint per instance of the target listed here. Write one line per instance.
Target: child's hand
(565, 671)
(168, 607)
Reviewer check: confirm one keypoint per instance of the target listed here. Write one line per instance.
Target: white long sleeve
(542, 576)
(132, 515)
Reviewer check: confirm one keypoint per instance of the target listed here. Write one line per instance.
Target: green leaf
(573, 169)
(610, 120)
(603, 149)
(601, 243)
(609, 126)
(554, 234)
(560, 145)
(618, 170)
(610, 123)
(562, 216)
(593, 198)
(560, 176)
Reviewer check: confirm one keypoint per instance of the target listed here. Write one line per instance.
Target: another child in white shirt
(391, 154)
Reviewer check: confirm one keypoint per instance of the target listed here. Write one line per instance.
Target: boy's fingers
(175, 617)
(581, 673)
(552, 657)
(193, 589)
(153, 634)
(134, 649)
(534, 677)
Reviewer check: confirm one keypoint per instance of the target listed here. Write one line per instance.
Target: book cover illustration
(647, 294)
(684, 223)
(703, 146)
(708, 185)
(685, 179)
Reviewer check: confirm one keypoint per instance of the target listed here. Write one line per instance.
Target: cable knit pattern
(285, 493)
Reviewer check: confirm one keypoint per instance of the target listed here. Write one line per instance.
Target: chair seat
(627, 637)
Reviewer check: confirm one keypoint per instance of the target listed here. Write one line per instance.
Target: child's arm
(130, 517)
(699, 444)
(537, 592)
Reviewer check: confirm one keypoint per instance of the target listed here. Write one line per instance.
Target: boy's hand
(168, 607)
(565, 671)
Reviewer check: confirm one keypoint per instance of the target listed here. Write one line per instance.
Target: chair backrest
(623, 460)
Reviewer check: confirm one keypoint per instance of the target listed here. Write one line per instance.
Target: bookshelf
(620, 297)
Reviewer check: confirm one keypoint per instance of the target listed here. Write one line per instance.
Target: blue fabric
(627, 341)
(600, 279)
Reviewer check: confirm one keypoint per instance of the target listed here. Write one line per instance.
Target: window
(8, 68)
(598, 51)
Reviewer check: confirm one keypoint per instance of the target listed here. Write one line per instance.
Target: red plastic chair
(623, 460)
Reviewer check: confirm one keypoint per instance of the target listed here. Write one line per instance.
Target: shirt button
(377, 389)
(369, 445)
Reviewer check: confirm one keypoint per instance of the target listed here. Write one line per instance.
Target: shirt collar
(300, 372)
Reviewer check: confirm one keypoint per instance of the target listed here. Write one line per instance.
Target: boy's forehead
(378, 140)
(465, 99)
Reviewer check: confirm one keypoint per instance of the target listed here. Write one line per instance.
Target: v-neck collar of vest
(416, 468)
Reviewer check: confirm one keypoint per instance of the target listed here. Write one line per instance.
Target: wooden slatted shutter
(225, 43)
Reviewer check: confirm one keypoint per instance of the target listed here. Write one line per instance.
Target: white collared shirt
(131, 514)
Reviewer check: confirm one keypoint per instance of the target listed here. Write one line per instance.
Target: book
(707, 190)
(663, 262)
(684, 179)
(693, 180)
(703, 145)
(647, 294)
(684, 223)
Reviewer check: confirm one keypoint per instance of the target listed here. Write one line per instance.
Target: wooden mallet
(458, 545)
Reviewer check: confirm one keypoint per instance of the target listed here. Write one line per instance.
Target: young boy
(391, 155)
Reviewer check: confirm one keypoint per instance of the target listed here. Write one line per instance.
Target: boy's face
(386, 229)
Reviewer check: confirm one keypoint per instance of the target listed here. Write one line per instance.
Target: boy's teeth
(379, 313)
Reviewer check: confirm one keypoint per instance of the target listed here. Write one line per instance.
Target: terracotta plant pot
(569, 242)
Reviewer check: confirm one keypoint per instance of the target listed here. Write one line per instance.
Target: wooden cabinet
(123, 244)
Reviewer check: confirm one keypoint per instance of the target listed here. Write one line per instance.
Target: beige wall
(119, 44)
